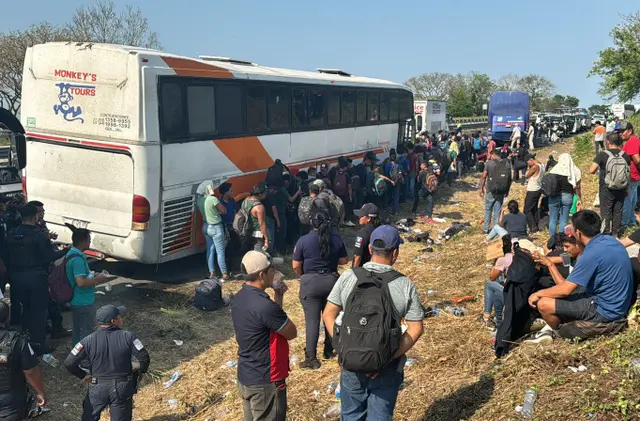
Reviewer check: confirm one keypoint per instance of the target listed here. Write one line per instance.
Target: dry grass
(454, 375)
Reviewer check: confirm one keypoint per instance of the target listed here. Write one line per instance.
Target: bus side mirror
(18, 151)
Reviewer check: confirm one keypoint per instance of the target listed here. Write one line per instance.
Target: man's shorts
(578, 307)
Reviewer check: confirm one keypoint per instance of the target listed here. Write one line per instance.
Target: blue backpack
(477, 145)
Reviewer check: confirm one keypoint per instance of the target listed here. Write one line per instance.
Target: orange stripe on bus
(186, 67)
(246, 153)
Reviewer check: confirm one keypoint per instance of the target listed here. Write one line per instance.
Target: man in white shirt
(515, 136)
(611, 125)
(531, 133)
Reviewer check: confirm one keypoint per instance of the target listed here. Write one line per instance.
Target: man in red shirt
(631, 148)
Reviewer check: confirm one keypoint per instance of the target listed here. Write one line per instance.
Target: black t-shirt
(263, 354)
(602, 158)
(268, 204)
(563, 183)
(361, 247)
(22, 358)
(307, 251)
(635, 236)
(515, 224)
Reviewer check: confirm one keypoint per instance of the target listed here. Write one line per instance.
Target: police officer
(18, 363)
(369, 220)
(316, 257)
(30, 254)
(111, 379)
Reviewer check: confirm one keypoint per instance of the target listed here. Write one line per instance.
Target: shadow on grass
(463, 403)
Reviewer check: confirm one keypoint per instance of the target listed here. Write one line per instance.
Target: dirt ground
(453, 376)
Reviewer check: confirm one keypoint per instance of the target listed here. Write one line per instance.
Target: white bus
(623, 111)
(118, 138)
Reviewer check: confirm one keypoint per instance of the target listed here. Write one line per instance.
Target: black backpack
(274, 174)
(500, 180)
(370, 331)
(550, 186)
(208, 295)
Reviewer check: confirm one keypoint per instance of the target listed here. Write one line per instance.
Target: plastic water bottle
(338, 391)
(51, 360)
(456, 311)
(333, 412)
(529, 400)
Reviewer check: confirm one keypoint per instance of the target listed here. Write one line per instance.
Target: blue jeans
(559, 207)
(496, 231)
(628, 211)
(216, 247)
(492, 205)
(494, 298)
(412, 185)
(363, 398)
(83, 318)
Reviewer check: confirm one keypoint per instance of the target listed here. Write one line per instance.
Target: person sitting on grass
(514, 223)
(598, 289)
(494, 288)
(563, 256)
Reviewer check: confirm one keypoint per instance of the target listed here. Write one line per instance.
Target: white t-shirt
(516, 132)
(611, 126)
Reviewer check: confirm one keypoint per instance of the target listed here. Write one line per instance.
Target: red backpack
(60, 289)
(340, 186)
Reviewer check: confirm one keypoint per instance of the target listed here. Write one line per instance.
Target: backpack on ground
(380, 186)
(370, 331)
(340, 186)
(550, 185)
(617, 171)
(208, 295)
(60, 289)
(500, 180)
(242, 221)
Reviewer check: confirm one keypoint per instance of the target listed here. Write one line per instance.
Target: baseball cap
(629, 126)
(324, 165)
(529, 157)
(319, 183)
(371, 155)
(109, 312)
(368, 209)
(255, 262)
(388, 235)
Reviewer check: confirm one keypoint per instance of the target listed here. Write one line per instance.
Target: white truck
(430, 116)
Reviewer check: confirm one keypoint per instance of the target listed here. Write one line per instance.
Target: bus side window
(333, 107)
(279, 106)
(373, 106)
(172, 112)
(385, 102)
(316, 107)
(230, 116)
(393, 107)
(257, 109)
(362, 106)
(348, 112)
(299, 109)
(201, 109)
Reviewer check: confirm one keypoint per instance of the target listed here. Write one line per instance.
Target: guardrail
(469, 122)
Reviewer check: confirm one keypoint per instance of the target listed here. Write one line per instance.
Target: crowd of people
(371, 314)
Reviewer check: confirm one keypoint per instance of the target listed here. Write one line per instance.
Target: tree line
(466, 93)
(101, 22)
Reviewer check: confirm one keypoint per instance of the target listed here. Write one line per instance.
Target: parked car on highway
(598, 117)
(572, 123)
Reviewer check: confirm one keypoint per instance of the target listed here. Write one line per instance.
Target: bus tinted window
(348, 115)
(385, 100)
(172, 117)
(362, 106)
(405, 106)
(279, 106)
(373, 108)
(256, 109)
(316, 107)
(333, 108)
(393, 107)
(229, 116)
(299, 109)
(201, 110)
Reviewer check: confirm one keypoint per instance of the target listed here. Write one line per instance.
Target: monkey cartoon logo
(69, 112)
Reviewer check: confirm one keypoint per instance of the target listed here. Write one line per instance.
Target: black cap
(368, 209)
(629, 126)
(324, 165)
(529, 157)
(371, 155)
(109, 312)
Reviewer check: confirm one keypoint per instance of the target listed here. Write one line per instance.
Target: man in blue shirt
(83, 282)
(600, 286)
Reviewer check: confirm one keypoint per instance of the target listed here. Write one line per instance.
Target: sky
(559, 39)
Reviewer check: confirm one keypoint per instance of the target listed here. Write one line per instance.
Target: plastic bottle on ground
(529, 401)
(333, 412)
(51, 360)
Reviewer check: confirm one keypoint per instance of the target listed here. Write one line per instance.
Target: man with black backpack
(614, 165)
(497, 179)
(363, 315)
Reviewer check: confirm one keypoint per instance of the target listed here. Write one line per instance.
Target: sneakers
(545, 336)
(310, 364)
(349, 224)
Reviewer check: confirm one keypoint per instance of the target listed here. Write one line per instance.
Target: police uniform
(361, 246)
(113, 381)
(30, 254)
(319, 277)
(16, 356)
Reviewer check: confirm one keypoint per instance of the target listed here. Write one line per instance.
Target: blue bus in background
(506, 110)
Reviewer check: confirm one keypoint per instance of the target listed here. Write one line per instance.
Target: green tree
(538, 87)
(429, 85)
(459, 104)
(571, 101)
(599, 109)
(480, 87)
(619, 65)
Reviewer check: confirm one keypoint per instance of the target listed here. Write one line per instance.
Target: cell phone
(566, 260)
